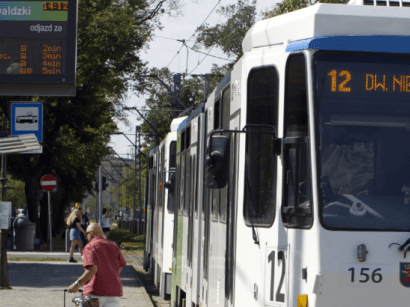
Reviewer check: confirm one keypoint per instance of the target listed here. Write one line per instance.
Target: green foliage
(229, 35)
(125, 190)
(90, 202)
(287, 6)
(160, 101)
(76, 129)
(15, 193)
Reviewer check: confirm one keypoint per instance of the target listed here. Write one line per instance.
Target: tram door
(227, 204)
(297, 195)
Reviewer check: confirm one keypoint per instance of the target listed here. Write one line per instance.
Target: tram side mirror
(217, 162)
(170, 183)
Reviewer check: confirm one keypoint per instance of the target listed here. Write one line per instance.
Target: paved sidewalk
(42, 284)
(135, 258)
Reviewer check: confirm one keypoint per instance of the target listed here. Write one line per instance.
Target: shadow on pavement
(56, 275)
(43, 275)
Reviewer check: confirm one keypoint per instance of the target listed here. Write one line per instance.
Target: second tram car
(160, 210)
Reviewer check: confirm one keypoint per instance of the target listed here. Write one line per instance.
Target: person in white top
(106, 215)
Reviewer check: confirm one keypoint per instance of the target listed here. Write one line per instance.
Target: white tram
(160, 212)
(293, 179)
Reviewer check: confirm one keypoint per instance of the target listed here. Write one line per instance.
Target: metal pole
(139, 164)
(4, 277)
(135, 176)
(49, 221)
(97, 216)
(100, 195)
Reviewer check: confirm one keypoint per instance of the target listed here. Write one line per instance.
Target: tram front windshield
(363, 111)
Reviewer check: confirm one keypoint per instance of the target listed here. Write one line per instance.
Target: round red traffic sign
(48, 182)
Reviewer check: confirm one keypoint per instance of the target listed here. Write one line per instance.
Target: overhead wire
(200, 62)
(207, 54)
(219, 1)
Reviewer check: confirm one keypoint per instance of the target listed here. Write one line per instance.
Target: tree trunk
(32, 183)
(44, 217)
(32, 180)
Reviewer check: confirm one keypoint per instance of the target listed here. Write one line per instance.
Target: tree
(158, 119)
(15, 193)
(76, 129)
(287, 6)
(229, 35)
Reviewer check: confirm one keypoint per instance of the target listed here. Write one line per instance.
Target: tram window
(205, 188)
(173, 155)
(215, 204)
(297, 204)
(188, 137)
(182, 185)
(363, 142)
(177, 187)
(226, 113)
(195, 186)
(183, 141)
(171, 175)
(217, 120)
(226, 108)
(152, 192)
(297, 207)
(161, 178)
(260, 160)
(196, 170)
(296, 119)
(187, 203)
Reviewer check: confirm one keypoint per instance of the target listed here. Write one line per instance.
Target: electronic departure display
(38, 47)
(362, 76)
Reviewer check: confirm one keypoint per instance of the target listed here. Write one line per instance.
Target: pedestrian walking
(102, 262)
(74, 224)
(85, 221)
(106, 215)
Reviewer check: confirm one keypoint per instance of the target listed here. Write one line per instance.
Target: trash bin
(24, 232)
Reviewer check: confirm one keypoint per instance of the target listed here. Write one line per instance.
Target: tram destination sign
(366, 77)
(38, 42)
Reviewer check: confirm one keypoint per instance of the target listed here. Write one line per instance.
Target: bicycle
(84, 301)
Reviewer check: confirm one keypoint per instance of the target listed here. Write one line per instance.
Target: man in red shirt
(102, 262)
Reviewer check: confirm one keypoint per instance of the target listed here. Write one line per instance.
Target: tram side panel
(195, 213)
(204, 251)
(149, 244)
(219, 202)
(160, 205)
(177, 262)
(154, 203)
(168, 229)
(233, 191)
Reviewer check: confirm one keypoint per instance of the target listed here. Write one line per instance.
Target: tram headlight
(303, 300)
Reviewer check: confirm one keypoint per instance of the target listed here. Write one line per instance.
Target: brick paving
(135, 258)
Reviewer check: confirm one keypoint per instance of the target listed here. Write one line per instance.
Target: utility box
(24, 232)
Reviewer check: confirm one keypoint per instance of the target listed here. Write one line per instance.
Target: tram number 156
(277, 284)
(366, 275)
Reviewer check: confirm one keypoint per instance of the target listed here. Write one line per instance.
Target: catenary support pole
(4, 278)
(49, 221)
(139, 163)
(135, 179)
(100, 206)
(97, 215)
